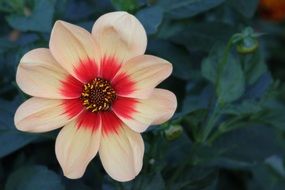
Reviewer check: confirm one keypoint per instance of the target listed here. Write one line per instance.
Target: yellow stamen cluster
(98, 95)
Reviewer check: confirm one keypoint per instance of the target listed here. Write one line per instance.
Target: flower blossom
(101, 89)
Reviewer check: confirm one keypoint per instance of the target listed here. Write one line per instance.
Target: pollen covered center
(98, 95)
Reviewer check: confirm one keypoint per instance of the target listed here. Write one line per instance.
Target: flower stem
(222, 64)
(219, 104)
(211, 123)
(224, 128)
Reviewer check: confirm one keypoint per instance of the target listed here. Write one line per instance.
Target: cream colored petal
(120, 34)
(121, 154)
(168, 103)
(157, 109)
(76, 145)
(145, 72)
(39, 74)
(40, 115)
(73, 46)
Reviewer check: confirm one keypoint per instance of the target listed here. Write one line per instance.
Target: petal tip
(17, 119)
(124, 179)
(59, 22)
(56, 27)
(72, 175)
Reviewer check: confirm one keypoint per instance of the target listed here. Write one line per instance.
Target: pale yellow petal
(40, 75)
(145, 72)
(157, 109)
(76, 145)
(121, 154)
(41, 115)
(73, 46)
(120, 34)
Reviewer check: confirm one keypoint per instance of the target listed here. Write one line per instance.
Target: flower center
(98, 95)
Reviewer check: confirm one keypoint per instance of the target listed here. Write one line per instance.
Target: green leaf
(125, 5)
(178, 150)
(265, 177)
(194, 102)
(254, 66)
(187, 8)
(260, 87)
(196, 178)
(197, 36)
(152, 181)
(11, 5)
(5, 45)
(229, 79)
(276, 163)
(151, 18)
(273, 115)
(231, 82)
(12, 140)
(246, 107)
(245, 7)
(176, 55)
(145, 181)
(77, 185)
(40, 19)
(210, 66)
(252, 143)
(34, 177)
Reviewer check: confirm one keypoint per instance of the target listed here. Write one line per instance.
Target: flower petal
(41, 115)
(139, 114)
(76, 145)
(121, 153)
(40, 75)
(138, 76)
(73, 46)
(120, 34)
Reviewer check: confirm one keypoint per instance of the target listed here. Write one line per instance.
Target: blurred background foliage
(229, 129)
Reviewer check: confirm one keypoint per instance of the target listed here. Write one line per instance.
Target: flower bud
(173, 132)
(247, 45)
(246, 41)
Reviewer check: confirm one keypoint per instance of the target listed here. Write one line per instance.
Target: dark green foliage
(34, 177)
(226, 74)
(34, 20)
(228, 132)
(245, 7)
(151, 18)
(187, 8)
(125, 5)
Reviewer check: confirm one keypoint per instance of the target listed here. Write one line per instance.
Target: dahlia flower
(100, 88)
